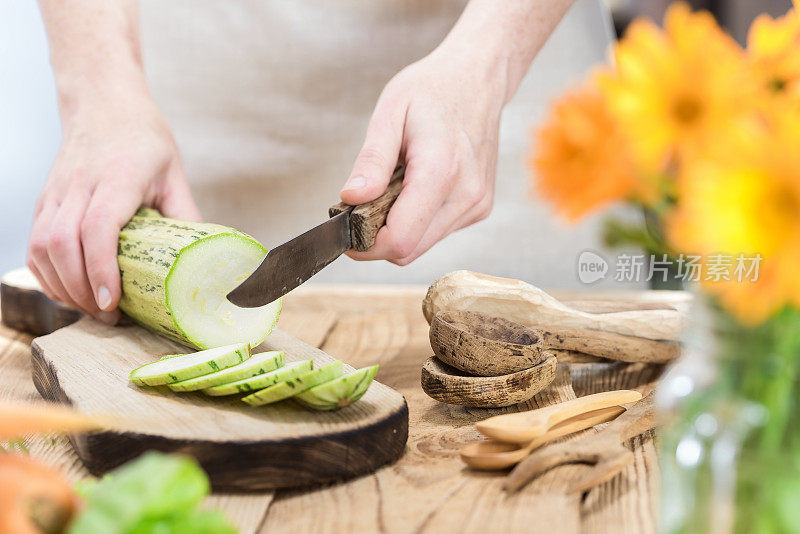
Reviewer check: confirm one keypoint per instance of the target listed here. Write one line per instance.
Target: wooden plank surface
(428, 489)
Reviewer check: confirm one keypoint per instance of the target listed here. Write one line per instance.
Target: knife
(289, 265)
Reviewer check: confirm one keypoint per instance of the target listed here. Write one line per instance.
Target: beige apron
(269, 101)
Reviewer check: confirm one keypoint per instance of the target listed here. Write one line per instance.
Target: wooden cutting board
(242, 448)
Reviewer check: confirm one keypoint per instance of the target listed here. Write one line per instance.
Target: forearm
(507, 34)
(94, 50)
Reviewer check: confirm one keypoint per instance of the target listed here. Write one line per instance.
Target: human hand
(113, 158)
(441, 116)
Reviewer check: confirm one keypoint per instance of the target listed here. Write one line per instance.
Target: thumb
(176, 201)
(377, 159)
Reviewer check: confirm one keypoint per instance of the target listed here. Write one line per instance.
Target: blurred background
(30, 133)
(734, 15)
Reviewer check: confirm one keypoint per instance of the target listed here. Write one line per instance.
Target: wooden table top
(429, 489)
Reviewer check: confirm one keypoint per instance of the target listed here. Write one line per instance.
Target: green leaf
(199, 522)
(154, 494)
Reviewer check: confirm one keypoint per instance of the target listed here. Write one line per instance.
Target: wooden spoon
(492, 455)
(602, 450)
(523, 427)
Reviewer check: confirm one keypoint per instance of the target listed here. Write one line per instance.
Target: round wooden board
(24, 307)
(86, 365)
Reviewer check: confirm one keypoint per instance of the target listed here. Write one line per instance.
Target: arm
(441, 115)
(116, 154)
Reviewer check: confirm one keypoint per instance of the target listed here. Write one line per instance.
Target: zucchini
(292, 387)
(185, 366)
(258, 364)
(339, 392)
(287, 372)
(176, 275)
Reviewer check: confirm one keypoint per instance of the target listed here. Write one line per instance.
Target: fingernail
(356, 182)
(103, 297)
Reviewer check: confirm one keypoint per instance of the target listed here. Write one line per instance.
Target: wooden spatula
(523, 427)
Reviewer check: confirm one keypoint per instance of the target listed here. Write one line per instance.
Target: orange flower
(773, 48)
(675, 90)
(743, 197)
(582, 158)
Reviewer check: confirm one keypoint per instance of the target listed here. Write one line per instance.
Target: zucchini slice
(187, 366)
(258, 364)
(246, 385)
(339, 392)
(292, 387)
(176, 275)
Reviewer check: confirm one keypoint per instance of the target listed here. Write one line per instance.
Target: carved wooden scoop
(603, 450)
(485, 345)
(523, 427)
(528, 305)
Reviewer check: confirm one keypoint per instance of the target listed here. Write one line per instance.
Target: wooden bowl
(452, 386)
(484, 345)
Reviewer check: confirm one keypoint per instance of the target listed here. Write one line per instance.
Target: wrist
(84, 92)
(504, 37)
(485, 61)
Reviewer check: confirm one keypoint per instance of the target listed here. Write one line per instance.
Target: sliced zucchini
(290, 388)
(339, 392)
(287, 372)
(176, 275)
(186, 366)
(258, 364)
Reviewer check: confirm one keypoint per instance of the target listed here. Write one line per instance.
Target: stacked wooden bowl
(497, 341)
(485, 361)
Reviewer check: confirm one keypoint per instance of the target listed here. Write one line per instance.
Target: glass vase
(730, 445)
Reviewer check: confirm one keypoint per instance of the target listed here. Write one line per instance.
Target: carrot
(34, 498)
(18, 419)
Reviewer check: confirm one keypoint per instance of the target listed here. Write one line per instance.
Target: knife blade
(294, 262)
(289, 265)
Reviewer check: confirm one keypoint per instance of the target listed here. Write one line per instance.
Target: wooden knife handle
(367, 219)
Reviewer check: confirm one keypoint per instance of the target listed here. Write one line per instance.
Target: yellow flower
(581, 160)
(677, 89)
(773, 49)
(743, 197)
